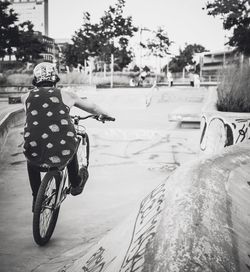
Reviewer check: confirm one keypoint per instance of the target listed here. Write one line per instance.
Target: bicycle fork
(62, 190)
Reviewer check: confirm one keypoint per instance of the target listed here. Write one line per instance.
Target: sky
(184, 20)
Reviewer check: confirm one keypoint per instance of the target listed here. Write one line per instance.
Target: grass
(234, 89)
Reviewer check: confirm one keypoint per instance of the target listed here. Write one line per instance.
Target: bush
(73, 78)
(19, 79)
(234, 89)
(3, 79)
(119, 78)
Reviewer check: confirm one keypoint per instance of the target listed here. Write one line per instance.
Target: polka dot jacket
(49, 134)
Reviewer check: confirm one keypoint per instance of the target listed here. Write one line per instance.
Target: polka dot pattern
(54, 128)
(49, 113)
(70, 134)
(65, 152)
(64, 122)
(54, 99)
(49, 134)
(34, 112)
(49, 145)
(45, 136)
(33, 143)
(55, 159)
(45, 105)
(27, 134)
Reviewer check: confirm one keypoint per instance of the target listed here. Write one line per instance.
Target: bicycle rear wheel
(45, 213)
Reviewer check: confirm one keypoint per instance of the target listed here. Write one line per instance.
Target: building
(211, 63)
(52, 50)
(35, 11)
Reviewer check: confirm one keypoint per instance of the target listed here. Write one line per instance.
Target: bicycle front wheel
(45, 211)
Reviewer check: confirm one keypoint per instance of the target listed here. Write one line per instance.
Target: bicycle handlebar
(100, 117)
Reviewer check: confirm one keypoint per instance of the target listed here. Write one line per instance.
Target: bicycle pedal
(67, 190)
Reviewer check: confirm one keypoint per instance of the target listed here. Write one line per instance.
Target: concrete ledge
(185, 114)
(222, 129)
(198, 220)
(10, 120)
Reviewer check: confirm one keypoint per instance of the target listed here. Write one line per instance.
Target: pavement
(129, 158)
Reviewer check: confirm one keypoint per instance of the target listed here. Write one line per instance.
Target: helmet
(45, 71)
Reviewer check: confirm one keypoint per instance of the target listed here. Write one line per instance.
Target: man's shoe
(84, 176)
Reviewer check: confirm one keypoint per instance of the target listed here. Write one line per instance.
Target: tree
(116, 30)
(69, 55)
(8, 30)
(110, 36)
(86, 41)
(30, 47)
(185, 57)
(122, 55)
(236, 16)
(158, 46)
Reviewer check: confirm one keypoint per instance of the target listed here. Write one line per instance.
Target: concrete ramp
(197, 220)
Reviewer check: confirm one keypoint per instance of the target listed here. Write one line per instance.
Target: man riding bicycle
(50, 140)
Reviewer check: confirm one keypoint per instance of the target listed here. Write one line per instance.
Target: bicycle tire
(43, 203)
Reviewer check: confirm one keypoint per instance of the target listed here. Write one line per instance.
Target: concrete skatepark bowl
(130, 159)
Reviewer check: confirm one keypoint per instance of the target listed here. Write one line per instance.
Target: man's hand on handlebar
(100, 117)
(103, 118)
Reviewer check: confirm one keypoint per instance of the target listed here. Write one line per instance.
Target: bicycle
(55, 187)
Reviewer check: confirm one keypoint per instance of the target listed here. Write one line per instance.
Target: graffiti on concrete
(217, 133)
(247, 265)
(96, 262)
(144, 229)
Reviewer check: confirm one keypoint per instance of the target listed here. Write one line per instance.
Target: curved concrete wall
(198, 220)
(206, 221)
(221, 129)
(10, 120)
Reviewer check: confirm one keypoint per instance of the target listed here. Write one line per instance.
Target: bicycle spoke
(48, 207)
(45, 221)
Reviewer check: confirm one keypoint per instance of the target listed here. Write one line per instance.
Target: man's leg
(35, 180)
(73, 171)
(77, 177)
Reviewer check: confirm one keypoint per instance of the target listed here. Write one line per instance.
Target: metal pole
(112, 71)
(90, 71)
(140, 60)
(104, 70)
